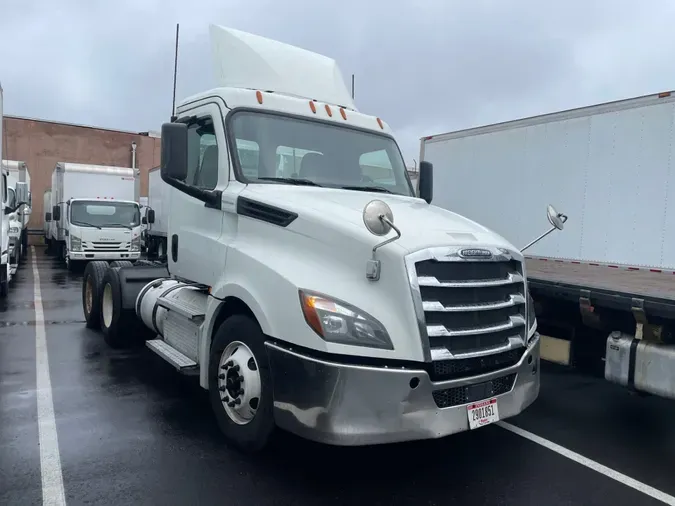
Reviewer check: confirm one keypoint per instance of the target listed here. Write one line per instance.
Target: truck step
(173, 356)
(187, 310)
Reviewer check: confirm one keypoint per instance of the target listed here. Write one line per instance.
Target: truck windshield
(104, 214)
(275, 148)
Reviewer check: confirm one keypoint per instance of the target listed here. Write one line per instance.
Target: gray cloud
(424, 66)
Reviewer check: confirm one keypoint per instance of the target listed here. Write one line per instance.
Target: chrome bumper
(104, 255)
(361, 405)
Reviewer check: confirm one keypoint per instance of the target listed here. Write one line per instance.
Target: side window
(202, 154)
(376, 167)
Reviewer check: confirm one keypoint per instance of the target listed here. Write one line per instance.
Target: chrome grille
(469, 307)
(93, 246)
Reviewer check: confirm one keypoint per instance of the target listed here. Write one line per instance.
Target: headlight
(14, 230)
(338, 322)
(136, 243)
(75, 243)
(531, 317)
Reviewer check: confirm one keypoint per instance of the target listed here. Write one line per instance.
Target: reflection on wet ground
(132, 431)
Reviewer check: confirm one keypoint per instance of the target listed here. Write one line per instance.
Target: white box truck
(156, 216)
(326, 298)
(95, 213)
(18, 172)
(604, 290)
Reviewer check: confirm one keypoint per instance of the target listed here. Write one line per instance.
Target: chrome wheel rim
(239, 383)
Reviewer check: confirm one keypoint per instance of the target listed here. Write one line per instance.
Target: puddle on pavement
(31, 323)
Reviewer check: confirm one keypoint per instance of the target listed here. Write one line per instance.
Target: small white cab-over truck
(95, 213)
(323, 296)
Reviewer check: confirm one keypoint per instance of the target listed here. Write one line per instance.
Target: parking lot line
(591, 464)
(50, 459)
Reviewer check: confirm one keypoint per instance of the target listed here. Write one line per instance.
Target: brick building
(41, 144)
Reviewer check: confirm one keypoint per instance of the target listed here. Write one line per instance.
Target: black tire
(93, 274)
(255, 435)
(121, 263)
(124, 329)
(4, 289)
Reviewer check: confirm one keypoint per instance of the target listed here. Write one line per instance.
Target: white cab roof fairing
(244, 60)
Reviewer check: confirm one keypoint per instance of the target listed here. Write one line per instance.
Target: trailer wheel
(121, 263)
(240, 387)
(119, 325)
(91, 292)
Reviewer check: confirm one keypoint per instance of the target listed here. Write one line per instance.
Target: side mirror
(56, 213)
(555, 218)
(426, 181)
(151, 216)
(174, 151)
(21, 193)
(144, 220)
(48, 217)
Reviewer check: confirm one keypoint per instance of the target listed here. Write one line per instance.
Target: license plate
(482, 413)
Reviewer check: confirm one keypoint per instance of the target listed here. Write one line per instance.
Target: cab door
(195, 252)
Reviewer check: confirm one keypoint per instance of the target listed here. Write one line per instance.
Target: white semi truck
(325, 299)
(19, 195)
(156, 217)
(95, 213)
(18, 229)
(604, 290)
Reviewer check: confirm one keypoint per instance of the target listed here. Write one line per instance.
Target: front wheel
(240, 388)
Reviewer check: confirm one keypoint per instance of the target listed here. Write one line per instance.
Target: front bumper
(103, 255)
(353, 405)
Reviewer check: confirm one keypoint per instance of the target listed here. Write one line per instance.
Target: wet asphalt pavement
(132, 431)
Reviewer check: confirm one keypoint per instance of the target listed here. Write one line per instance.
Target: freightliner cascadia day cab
(325, 299)
(156, 216)
(18, 229)
(604, 290)
(95, 213)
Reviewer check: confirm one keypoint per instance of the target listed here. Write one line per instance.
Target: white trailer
(156, 216)
(322, 297)
(610, 166)
(95, 213)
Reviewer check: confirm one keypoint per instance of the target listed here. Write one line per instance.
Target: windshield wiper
(78, 223)
(291, 180)
(378, 189)
(117, 225)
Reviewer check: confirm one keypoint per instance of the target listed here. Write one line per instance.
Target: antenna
(352, 86)
(175, 72)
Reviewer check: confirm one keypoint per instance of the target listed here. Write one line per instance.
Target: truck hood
(421, 225)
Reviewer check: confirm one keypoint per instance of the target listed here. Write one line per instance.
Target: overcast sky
(424, 66)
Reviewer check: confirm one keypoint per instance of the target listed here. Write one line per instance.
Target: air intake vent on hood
(264, 212)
